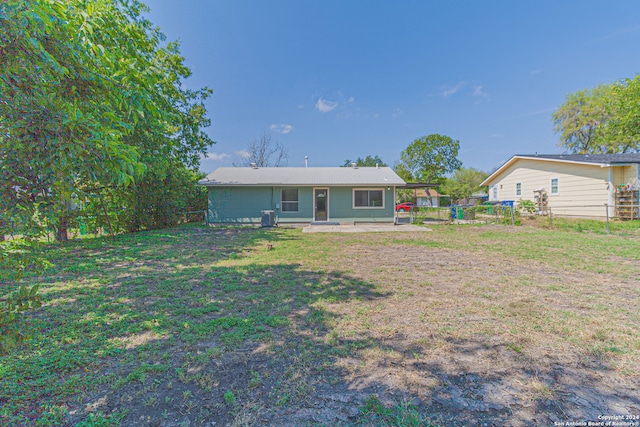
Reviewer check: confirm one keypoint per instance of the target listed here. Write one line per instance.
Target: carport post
(606, 205)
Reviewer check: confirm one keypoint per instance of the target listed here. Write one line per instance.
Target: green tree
(623, 128)
(429, 159)
(90, 100)
(463, 183)
(579, 119)
(367, 161)
(602, 120)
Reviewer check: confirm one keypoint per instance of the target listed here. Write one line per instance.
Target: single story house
(423, 200)
(301, 194)
(570, 184)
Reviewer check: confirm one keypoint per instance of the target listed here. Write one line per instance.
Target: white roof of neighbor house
(302, 176)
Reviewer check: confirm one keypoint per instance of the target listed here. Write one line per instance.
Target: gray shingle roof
(596, 159)
(589, 158)
(302, 176)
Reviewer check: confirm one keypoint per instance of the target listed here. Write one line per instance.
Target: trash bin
(460, 213)
(489, 207)
(453, 212)
(82, 225)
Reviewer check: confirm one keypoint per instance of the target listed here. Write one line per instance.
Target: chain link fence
(596, 218)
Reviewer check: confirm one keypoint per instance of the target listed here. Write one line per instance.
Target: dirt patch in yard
(275, 328)
(485, 341)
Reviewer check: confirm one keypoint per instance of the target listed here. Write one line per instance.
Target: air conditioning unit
(267, 218)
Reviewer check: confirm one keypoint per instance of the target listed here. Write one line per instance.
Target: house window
(555, 186)
(373, 198)
(518, 189)
(290, 200)
(495, 192)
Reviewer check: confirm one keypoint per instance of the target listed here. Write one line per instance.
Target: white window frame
(495, 192)
(551, 192)
(353, 198)
(518, 189)
(282, 201)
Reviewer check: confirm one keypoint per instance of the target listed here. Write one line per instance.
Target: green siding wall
(243, 205)
(238, 204)
(341, 207)
(305, 206)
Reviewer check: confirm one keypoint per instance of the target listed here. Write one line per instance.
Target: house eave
(515, 158)
(290, 184)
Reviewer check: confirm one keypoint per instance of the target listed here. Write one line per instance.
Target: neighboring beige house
(571, 184)
(423, 200)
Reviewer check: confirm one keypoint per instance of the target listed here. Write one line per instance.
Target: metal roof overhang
(412, 185)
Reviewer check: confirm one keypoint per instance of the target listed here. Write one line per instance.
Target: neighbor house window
(368, 198)
(555, 187)
(495, 192)
(518, 189)
(290, 200)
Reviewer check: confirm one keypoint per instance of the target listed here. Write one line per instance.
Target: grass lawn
(466, 325)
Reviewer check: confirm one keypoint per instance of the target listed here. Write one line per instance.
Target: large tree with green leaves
(602, 120)
(623, 128)
(579, 119)
(463, 183)
(90, 100)
(429, 158)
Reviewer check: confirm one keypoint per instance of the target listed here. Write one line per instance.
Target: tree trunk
(61, 231)
(429, 198)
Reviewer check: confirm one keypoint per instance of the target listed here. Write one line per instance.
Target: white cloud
(452, 90)
(244, 154)
(536, 71)
(324, 106)
(477, 91)
(396, 113)
(216, 156)
(351, 100)
(281, 128)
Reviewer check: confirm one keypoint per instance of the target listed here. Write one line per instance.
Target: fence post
(550, 218)
(606, 205)
(513, 216)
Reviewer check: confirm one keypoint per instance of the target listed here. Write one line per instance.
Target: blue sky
(337, 80)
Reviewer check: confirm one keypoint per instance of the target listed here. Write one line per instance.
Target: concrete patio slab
(363, 228)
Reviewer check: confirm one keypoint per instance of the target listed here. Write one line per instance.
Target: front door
(321, 203)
